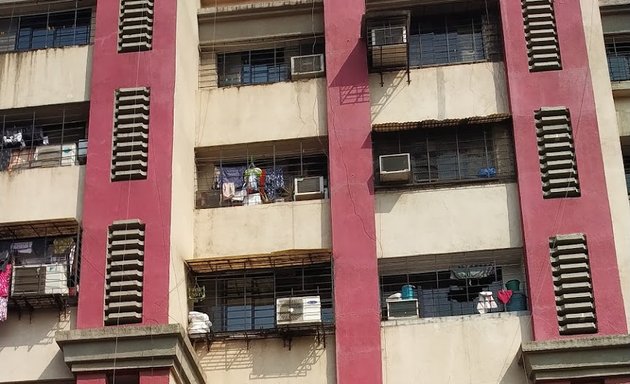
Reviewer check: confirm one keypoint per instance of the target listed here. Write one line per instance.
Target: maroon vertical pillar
(357, 311)
(91, 378)
(569, 87)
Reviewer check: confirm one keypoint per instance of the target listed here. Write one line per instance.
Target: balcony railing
(618, 54)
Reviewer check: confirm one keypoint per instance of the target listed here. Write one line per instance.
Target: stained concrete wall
(183, 166)
(268, 361)
(610, 144)
(622, 106)
(28, 351)
(262, 228)
(41, 194)
(480, 349)
(247, 114)
(444, 92)
(445, 220)
(46, 76)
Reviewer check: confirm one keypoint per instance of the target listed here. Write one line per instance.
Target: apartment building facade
(308, 191)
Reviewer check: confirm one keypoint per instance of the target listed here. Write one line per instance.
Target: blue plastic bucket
(518, 302)
(408, 292)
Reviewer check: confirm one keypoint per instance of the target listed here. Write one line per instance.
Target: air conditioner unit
(307, 66)
(33, 280)
(55, 155)
(402, 308)
(309, 188)
(392, 35)
(395, 168)
(298, 310)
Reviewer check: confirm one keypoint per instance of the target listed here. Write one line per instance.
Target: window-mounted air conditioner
(307, 66)
(402, 308)
(389, 35)
(298, 310)
(32, 280)
(309, 188)
(395, 168)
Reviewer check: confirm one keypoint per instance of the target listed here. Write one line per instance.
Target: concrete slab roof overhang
(577, 358)
(131, 348)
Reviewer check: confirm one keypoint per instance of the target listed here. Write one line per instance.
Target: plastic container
(518, 302)
(408, 292)
(513, 285)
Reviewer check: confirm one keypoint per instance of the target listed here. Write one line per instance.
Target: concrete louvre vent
(131, 134)
(135, 26)
(543, 48)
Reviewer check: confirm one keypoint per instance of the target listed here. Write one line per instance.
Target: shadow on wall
(352, 86)
(382, 95)
(267, 359)
(38, 331)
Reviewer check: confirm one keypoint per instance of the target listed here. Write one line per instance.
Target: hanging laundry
(232, 175)
(5, 281)
(22, 247)
(486, 302)
(504, 296)
(228, 191)
(4, 308)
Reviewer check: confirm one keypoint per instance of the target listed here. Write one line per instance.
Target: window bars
(281, 162)
(43, 137)
(46, 30)
(618, 54)
(441, 155)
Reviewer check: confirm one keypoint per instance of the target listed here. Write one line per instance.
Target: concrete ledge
(258, 9)
(621, 88)
(131, 347)
(578, 358)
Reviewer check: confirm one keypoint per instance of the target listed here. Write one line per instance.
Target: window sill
(621, 88)
(414, 67)
(445, 184)
(18, 51)
(447, 319)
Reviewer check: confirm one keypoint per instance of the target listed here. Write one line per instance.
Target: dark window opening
(465, 153)
(43, 137)
(262, 66)
(224, 175)
(50, 30)
(245, 300)
(618, 55)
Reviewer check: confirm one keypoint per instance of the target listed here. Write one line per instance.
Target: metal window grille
(262, 66)
(46, 30)
(43, 137)
(441, 155)
(282, 163)
(245, 300)
(618, 54)
(445, 291)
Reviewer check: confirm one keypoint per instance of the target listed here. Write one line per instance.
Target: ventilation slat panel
(131, 134)
(135, 26)
(575, 304)
(541, 36)
(125, 273)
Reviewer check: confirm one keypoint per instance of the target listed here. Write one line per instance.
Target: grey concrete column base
(577, 358)
(131, 348)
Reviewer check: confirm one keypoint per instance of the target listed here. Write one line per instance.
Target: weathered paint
(590, 213)
(357, 312)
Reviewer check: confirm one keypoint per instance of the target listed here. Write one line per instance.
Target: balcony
(476, 348)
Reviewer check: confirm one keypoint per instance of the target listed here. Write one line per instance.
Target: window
(618, 54)
(223, 173)
(49, 30)
(43, 137)
(245, 300)
(462, 153)
(626, 167)
(450, 285)
(262, 66)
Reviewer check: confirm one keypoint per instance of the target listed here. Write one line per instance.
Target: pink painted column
(570, 87)
(91, 378)
(357, 308)
(147, 200)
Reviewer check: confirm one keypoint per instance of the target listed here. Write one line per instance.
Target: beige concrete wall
(46, 76)
(479, 349)
(610, 144)
(622, 106)
(262, 228)
(28, 351)
(252, 113)
(447, 220)
(41, 194)
(183, 187)
(443, 92)
(267, 361)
